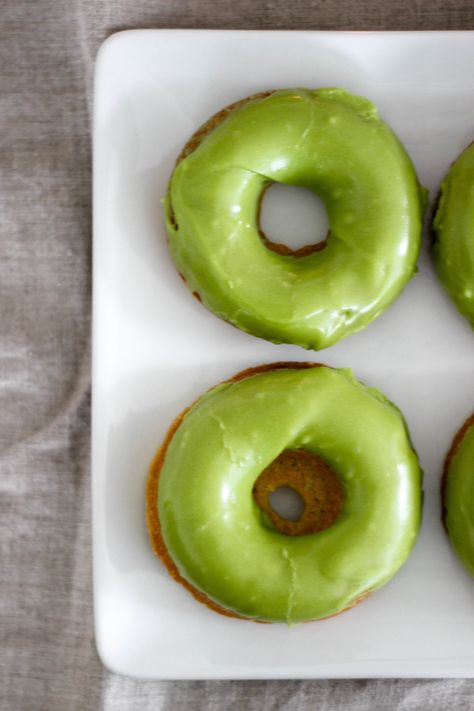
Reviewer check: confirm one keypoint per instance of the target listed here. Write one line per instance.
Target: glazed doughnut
(346, 450)
(453, 228)
(457, 494)
(325, 140)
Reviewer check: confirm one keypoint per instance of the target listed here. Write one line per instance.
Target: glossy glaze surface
(216, 534)
(334, 144)
(459, 500)
(454, 230)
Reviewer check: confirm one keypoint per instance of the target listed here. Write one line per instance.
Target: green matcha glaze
(459, 500)
(216, 534)
(454, 232)
(334, 144)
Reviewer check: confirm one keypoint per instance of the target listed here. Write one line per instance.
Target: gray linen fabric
(48, 658)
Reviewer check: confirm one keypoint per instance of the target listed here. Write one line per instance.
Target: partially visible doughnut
(453, 229)
(457, 494)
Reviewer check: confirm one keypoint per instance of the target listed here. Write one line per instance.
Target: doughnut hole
(313, 480)
(292, 220)
(287, 503)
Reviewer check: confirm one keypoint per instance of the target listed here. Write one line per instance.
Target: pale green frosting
(334, 144)
(454, 230)
(219, 538)
(459, 500)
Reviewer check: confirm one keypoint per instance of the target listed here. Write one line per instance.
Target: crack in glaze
(291, 596)
(226, 445)
(204, 526)
(308, 127)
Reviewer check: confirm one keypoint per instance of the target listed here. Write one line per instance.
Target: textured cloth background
(48, 658)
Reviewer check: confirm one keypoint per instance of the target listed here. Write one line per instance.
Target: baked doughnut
(332, 143)
(453, 228)
(344, 447)
(457, 494)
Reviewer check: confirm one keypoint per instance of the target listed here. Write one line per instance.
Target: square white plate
(156, 349)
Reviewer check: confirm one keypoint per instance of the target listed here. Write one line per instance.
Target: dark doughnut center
(315, 499)
(292, 220)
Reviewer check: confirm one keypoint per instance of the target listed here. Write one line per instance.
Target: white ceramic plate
(156, 349)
